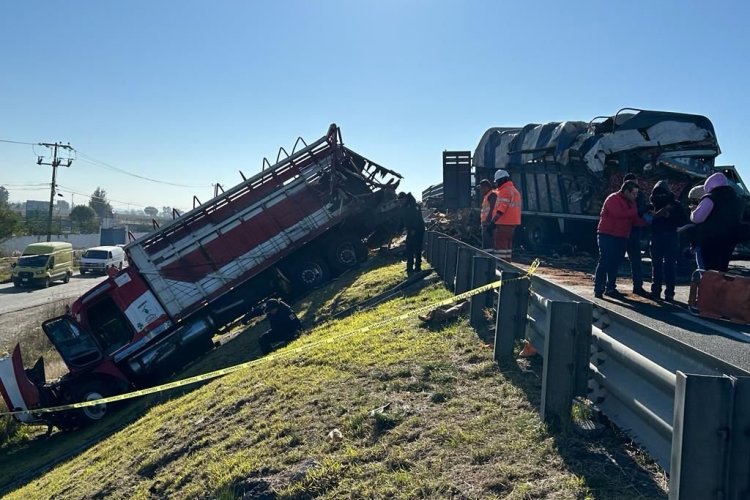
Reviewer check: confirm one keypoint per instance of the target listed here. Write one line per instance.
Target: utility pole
(55, 163)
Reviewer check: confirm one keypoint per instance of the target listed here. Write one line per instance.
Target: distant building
(35, 208)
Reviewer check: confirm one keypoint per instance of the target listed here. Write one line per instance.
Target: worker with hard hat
(506, 215)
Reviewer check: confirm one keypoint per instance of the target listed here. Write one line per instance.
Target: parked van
(99, 259)
(43, 263)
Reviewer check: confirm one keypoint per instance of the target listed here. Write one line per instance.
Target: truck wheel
(91, 391)
(310, 273)
(345, 253)
(539, 235)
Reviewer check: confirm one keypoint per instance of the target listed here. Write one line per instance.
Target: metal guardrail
(690, 411)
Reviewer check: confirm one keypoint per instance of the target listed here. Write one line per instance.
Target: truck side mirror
(13, 265)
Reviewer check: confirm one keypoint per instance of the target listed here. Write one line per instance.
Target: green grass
(424, 413)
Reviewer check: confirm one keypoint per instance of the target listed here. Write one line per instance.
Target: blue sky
(191, 92)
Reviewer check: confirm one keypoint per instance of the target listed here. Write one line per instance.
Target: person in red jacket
(619, 214)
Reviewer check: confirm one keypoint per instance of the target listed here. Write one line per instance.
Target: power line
(18, 142)
(95, 162)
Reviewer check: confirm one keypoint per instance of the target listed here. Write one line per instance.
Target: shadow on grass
(611, 465)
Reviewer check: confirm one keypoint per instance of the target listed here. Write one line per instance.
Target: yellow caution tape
(273, 356)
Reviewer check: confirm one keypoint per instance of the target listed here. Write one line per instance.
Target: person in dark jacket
(413, 222)
(285, 325)
(718, 221)
(634, 241)
(619, 214)
(668, 215)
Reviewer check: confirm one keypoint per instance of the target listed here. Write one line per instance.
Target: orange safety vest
(508, 204)
(485, 207)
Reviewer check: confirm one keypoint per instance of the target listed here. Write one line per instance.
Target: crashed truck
(565, 170)
(288, 229)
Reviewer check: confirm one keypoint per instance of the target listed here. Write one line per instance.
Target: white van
(99, 259)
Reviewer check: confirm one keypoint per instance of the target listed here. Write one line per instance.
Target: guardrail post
(700, 437)
(429, 246)
(739, 458)
(510, 318)
(439, 264)
(463, 269)
(483, 272)
(566, 352)
(451, 253)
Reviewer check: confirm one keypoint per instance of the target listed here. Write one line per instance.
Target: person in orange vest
(489, 197)
(506, 215)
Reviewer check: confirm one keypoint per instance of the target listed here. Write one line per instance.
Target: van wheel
(16, 283)
(67, 277)
(82, 272)
(47, 282)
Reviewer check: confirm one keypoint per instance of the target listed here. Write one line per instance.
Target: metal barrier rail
(689, 410)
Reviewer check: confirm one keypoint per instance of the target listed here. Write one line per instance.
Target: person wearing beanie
(665, 242)
(718, 221)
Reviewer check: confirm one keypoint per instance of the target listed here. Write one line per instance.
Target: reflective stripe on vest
(508, 205)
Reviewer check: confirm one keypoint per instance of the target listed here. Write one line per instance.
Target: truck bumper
(17, 390)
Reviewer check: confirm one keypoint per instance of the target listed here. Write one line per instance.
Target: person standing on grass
(506, 215)
(618, 216)
(413, 222)
(665, 242)
(634, 241)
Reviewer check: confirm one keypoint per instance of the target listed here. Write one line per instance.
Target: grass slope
(421, 413)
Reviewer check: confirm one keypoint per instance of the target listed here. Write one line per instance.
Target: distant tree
(151, 211)
(3, 196)
(99, 203)
(166, 212)
(83, 219)
(11, 222)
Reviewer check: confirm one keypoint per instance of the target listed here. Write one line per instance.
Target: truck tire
(345, 253)
(90, 391)
(539, 235)
(310, 273)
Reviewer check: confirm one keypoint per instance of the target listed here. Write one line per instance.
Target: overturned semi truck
(565, 170)
(287, 229)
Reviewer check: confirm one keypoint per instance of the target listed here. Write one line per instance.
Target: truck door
(76, 346)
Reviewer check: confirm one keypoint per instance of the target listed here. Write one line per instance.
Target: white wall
(79, 241)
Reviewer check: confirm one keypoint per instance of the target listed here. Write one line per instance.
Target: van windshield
(96, 254)
(33, 260)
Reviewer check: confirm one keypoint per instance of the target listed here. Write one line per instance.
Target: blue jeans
(611, 253)
(664, 250)
(634, 256)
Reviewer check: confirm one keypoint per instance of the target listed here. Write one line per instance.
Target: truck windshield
(95, 254)
(33, 260)
(75, 345)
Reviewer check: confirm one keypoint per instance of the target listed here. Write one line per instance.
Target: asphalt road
(722, 339)
(16, 299)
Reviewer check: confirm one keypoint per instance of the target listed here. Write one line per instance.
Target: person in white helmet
(506, 215)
